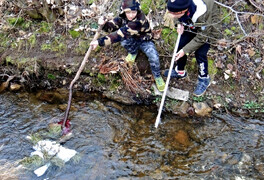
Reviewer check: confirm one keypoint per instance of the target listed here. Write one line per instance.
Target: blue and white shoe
(202, 85)
(175, 74)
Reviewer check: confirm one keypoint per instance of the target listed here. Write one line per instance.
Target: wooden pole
(78, 75)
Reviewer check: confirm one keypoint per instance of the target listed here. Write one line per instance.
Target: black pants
(200, 54)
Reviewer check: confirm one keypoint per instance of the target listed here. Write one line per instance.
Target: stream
(116, 141)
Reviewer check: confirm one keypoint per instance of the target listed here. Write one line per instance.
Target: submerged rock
(182, 137)
(50, 97)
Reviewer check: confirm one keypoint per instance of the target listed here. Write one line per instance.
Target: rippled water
(121, 142)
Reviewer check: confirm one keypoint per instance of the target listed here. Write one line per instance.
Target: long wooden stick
(167, 81)
(78, 75)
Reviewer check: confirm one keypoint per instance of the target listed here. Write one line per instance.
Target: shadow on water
(121, 142)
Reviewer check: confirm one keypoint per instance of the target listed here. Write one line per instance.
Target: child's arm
(138, 29)
(112, 25)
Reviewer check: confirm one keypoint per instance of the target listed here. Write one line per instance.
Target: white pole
(167, 81)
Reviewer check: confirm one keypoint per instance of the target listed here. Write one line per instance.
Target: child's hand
(102, 20)
(179, 55)
(180, 28)
(94, 44)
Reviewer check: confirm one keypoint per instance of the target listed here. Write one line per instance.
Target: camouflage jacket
(121, 28)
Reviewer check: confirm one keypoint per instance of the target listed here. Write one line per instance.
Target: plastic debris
(173, 93)
(53, 149)
(40, 171)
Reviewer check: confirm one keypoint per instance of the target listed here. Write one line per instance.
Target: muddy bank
(53, 73)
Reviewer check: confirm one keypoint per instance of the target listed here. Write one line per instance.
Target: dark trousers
(148, 47)
(200, 54)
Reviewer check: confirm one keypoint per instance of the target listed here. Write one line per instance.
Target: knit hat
(178, 5)
(132, 5)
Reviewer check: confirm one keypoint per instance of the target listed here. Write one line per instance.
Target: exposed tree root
(130, 76)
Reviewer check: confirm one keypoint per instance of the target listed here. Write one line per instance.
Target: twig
(237, 16)
(256, 6)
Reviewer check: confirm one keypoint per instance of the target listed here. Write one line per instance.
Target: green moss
(160, 4)
(114, 81)
(46, 46)
(56, 45)
(9, 60)
(45, 27)
(51, 76)
(226, 16)
(27, 64)
(74, 34)
(32, 40)
(228, 32)
(101, 78)
(15, 21)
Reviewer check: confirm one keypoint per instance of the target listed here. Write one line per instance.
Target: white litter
(40, 171)
(173, 93)
(53, 149)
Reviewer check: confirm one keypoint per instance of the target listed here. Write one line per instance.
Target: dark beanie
(178, 5)
(130, 4)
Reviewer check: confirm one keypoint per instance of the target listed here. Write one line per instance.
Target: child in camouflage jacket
(132, 29)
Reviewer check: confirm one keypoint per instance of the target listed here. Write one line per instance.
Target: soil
(237, 79)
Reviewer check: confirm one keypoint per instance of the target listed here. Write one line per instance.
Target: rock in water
(202, 108)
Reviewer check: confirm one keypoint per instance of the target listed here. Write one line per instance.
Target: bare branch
(237, 14)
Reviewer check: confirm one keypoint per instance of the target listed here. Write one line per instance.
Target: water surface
(120, 142)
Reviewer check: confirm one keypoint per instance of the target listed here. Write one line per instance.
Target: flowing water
(120, 142)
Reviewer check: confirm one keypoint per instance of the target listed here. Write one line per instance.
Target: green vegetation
(51, 76)
(74, 34)
(101, 78)
(15, 21)
(35, 138)
(157, 99)
(82, 47)
(228, 32)
(145, 6)
(257, 107)
(226, 15)
(171, 103)
(211, 68)
(170, 37)
(32, 162)
(115, 80)
(200, 98)
(56, 45)
(32, 40)
(45, 27)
